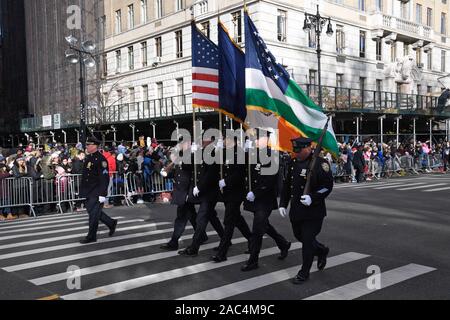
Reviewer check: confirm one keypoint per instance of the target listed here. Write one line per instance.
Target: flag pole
(194, 129)
(316, 154)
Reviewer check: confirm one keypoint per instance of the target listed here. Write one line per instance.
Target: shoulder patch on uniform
(105, 164)
(326, 167)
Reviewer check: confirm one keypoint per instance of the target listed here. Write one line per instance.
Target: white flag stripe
(131, 284)
(36, 223)
(438, 189)
(129, 262)
(268, 279)
(209, 71)
(54, 231)
(205, 84)
(38, 219)
(360, 288)
(422, 187)
(204, 96)
(72, 236)
(255, 79)
(65, 224)
(399, 186)
(77, 244)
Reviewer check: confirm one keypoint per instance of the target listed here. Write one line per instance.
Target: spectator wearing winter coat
(77, 163)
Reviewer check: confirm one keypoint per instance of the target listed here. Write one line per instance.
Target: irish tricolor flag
(275, 101)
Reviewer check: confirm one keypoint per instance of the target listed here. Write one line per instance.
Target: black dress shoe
(204, 240)
(322, 259)
(300, 278)
(249, 267)
(188, 252)
(217, 248)
(284, 253)
(169, 247)
(113, 228)
(87, 241)
(218, 258)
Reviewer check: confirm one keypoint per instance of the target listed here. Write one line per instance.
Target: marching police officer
(94, 187)
(182, 173)
(233, 193)
(307, 211)
(262, 200)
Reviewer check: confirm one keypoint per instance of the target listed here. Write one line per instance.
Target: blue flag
(231, 77)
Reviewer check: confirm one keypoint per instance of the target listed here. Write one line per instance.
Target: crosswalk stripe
(54, 231)
(438, 189)
(355, 185)
(359, 288)
(37, 223)
(129, 262)
(399, 186)
(371, 185)
(44, 218)
(247, 285)
(65, 224)
(84, 255)
(421, 187)
(73, 236)
(77, 244)
(131, 284)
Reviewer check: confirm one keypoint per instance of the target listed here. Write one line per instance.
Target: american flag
(205, 71)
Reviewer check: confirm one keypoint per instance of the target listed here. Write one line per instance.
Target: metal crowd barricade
(16, 192)
(68, 190)
(118, 186)
(44, 192)
(139, 184)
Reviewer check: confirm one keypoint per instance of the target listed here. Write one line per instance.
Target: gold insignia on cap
(325, 167)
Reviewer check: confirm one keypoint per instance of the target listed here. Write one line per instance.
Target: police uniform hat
(92, 140)
(301, 143)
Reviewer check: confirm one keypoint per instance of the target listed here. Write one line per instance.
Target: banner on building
(47, 121)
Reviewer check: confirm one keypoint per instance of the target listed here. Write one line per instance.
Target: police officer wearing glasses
(94, 187)
(307, 210)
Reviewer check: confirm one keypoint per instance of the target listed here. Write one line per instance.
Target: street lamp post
(316, 22)
(84, 56)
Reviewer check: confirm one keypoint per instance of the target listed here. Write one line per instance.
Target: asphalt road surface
(389, 239)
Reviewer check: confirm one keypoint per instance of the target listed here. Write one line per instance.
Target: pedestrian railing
(16, 193)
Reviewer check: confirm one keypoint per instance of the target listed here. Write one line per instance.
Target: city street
(400, 226)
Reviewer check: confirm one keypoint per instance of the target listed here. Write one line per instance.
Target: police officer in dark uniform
(233, 193)
(307, 211)
(94, 187)
(182, 174)
(262, 200)
(206, 193)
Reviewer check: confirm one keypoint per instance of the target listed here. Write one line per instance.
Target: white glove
(102, 199)
(194, 147)
(306, 200)
(196, 192)
(222, 184)
(163, 173)
(283, 212)
(251, 197)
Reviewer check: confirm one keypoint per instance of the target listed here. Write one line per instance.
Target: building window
(179, 5)
(379, 5)
(430, 60)
(379, 49)
(159, 90)
(130, 58)
(206, 29)
(419, 89)
(313, 82)
(339, 80)
(393, 51)
(418, 13)
(340, 39)
(282, 25)
(429, 89)
(179, 43)
(144, 53)
(362, 5)
(144, 11)
(159, 9)
(130, 16)
(312, 38)
(379, 85)
(405, 49)
(118, 60)
(132, 99)
(237, 26)
(443, 23)
(419, 57)
(105, 65)
(404, 10)
(118, 22)
(119, 97)
(362, 44)
(180, 92)
(145, 93)
(443, 68)
(429, 17)
(158, 47)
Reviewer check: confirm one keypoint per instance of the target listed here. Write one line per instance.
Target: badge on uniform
(105, 164)
(303, 173)
(325, 167)
(89, 165)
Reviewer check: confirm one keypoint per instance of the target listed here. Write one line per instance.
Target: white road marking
(421, 187)
(438, 189)
(399, 186)
(41, 219)
(38, 222)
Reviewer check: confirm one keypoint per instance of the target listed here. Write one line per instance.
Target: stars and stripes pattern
(205, 71)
